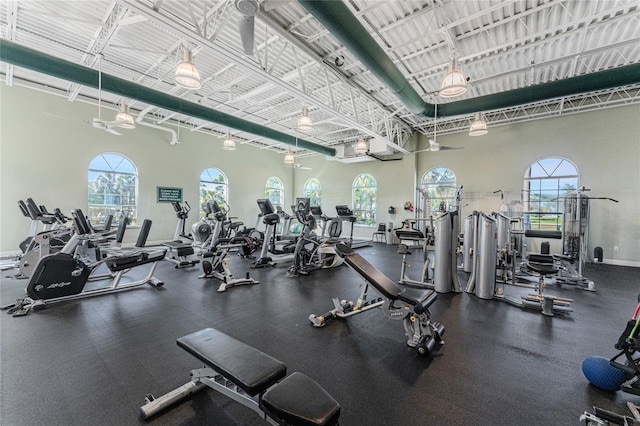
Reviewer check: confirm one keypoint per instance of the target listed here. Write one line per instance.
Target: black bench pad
(420, 299)
(250, 369)
(182, 249)
(300, 401)
(542, 233)
(131, 259)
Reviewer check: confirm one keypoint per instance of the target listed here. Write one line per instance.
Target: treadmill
(346, 214)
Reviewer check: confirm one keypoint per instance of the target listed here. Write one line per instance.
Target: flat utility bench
(398, 303)
(251, 378)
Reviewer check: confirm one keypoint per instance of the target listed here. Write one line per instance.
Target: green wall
(46, 144)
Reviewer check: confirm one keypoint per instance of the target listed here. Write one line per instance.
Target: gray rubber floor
(91, 362)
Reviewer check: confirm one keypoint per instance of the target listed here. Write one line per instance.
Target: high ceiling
(296, 61)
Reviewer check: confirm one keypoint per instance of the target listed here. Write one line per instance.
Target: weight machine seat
(182, 249)
(541, 233)
(133, 259)
(409, 234)
(540, 258)
(253, 371)
(542, 268)
(291, 401)
(419, 299)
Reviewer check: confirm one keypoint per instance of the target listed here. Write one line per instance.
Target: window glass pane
(439, 190)
(363, 196)
(313, 191)
(112, 188)
(548, 181)
(274, 191)
(213, 186)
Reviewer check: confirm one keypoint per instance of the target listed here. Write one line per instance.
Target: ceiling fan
(434, 146)
(300, 166)
(98, 122)
(246, 25)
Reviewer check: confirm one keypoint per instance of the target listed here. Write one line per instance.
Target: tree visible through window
(213, 186)
(274, 191)
(113, 185)
(364, 193)
(313, 190)
(438, 187)
(546, 183)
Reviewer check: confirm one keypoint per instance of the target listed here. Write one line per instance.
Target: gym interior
(435, 351)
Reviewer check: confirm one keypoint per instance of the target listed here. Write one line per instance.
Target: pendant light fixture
(304, 122)
(289, 159)
(361, 146)
(454, 83)
(229, 144)
(123, 118)
(187, 75)
(478, 126)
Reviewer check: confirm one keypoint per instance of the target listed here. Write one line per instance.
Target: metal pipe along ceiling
(339, 20)
(27, 58)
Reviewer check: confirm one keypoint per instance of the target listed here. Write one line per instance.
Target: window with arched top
(113, 188)
(438, 188)
(546, 183)
(214, 185)
(363, 195)
(274, 191)
(313, 191)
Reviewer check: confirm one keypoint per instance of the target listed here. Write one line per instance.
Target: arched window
(438, 189)
(363, 194)
(546, 183)
(113, 188)
(274, 191)
(213, 186)
(313, 190)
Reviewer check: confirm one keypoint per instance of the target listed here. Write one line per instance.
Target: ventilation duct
(338, 19)
(30, 59)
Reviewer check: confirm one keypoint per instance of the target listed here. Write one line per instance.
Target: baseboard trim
(632, 263)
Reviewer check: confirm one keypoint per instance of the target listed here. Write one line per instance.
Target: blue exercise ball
(601, 374)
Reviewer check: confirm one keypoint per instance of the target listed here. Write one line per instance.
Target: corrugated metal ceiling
(500, 45)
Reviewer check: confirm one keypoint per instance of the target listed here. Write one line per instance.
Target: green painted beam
(339, 20)
(36, 61)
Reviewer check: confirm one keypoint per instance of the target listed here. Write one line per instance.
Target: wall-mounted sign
(168, 195)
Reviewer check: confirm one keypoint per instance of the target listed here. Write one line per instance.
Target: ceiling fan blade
(246, 27)
(113, 132)
(442, 148)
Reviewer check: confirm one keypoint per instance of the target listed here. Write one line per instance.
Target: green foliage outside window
(312, 190)
(274, 191)
(364, 194)
(439, 185)
(112, 189)
(213, 186)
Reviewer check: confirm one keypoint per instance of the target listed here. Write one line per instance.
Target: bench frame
(250, 377)
(201, 378)
(422, 333)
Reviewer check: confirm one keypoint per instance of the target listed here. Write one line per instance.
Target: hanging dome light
(454, 83)
(304, 122)
(478, 126)
(123, 118)
(361, 146)
(229, 144)
(187, 75)
(289, 158)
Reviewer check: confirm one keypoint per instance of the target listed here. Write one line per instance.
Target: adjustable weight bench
(399, 303)
(251, 378)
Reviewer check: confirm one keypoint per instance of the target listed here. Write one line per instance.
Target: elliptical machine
(284, 249)
(311, 252)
